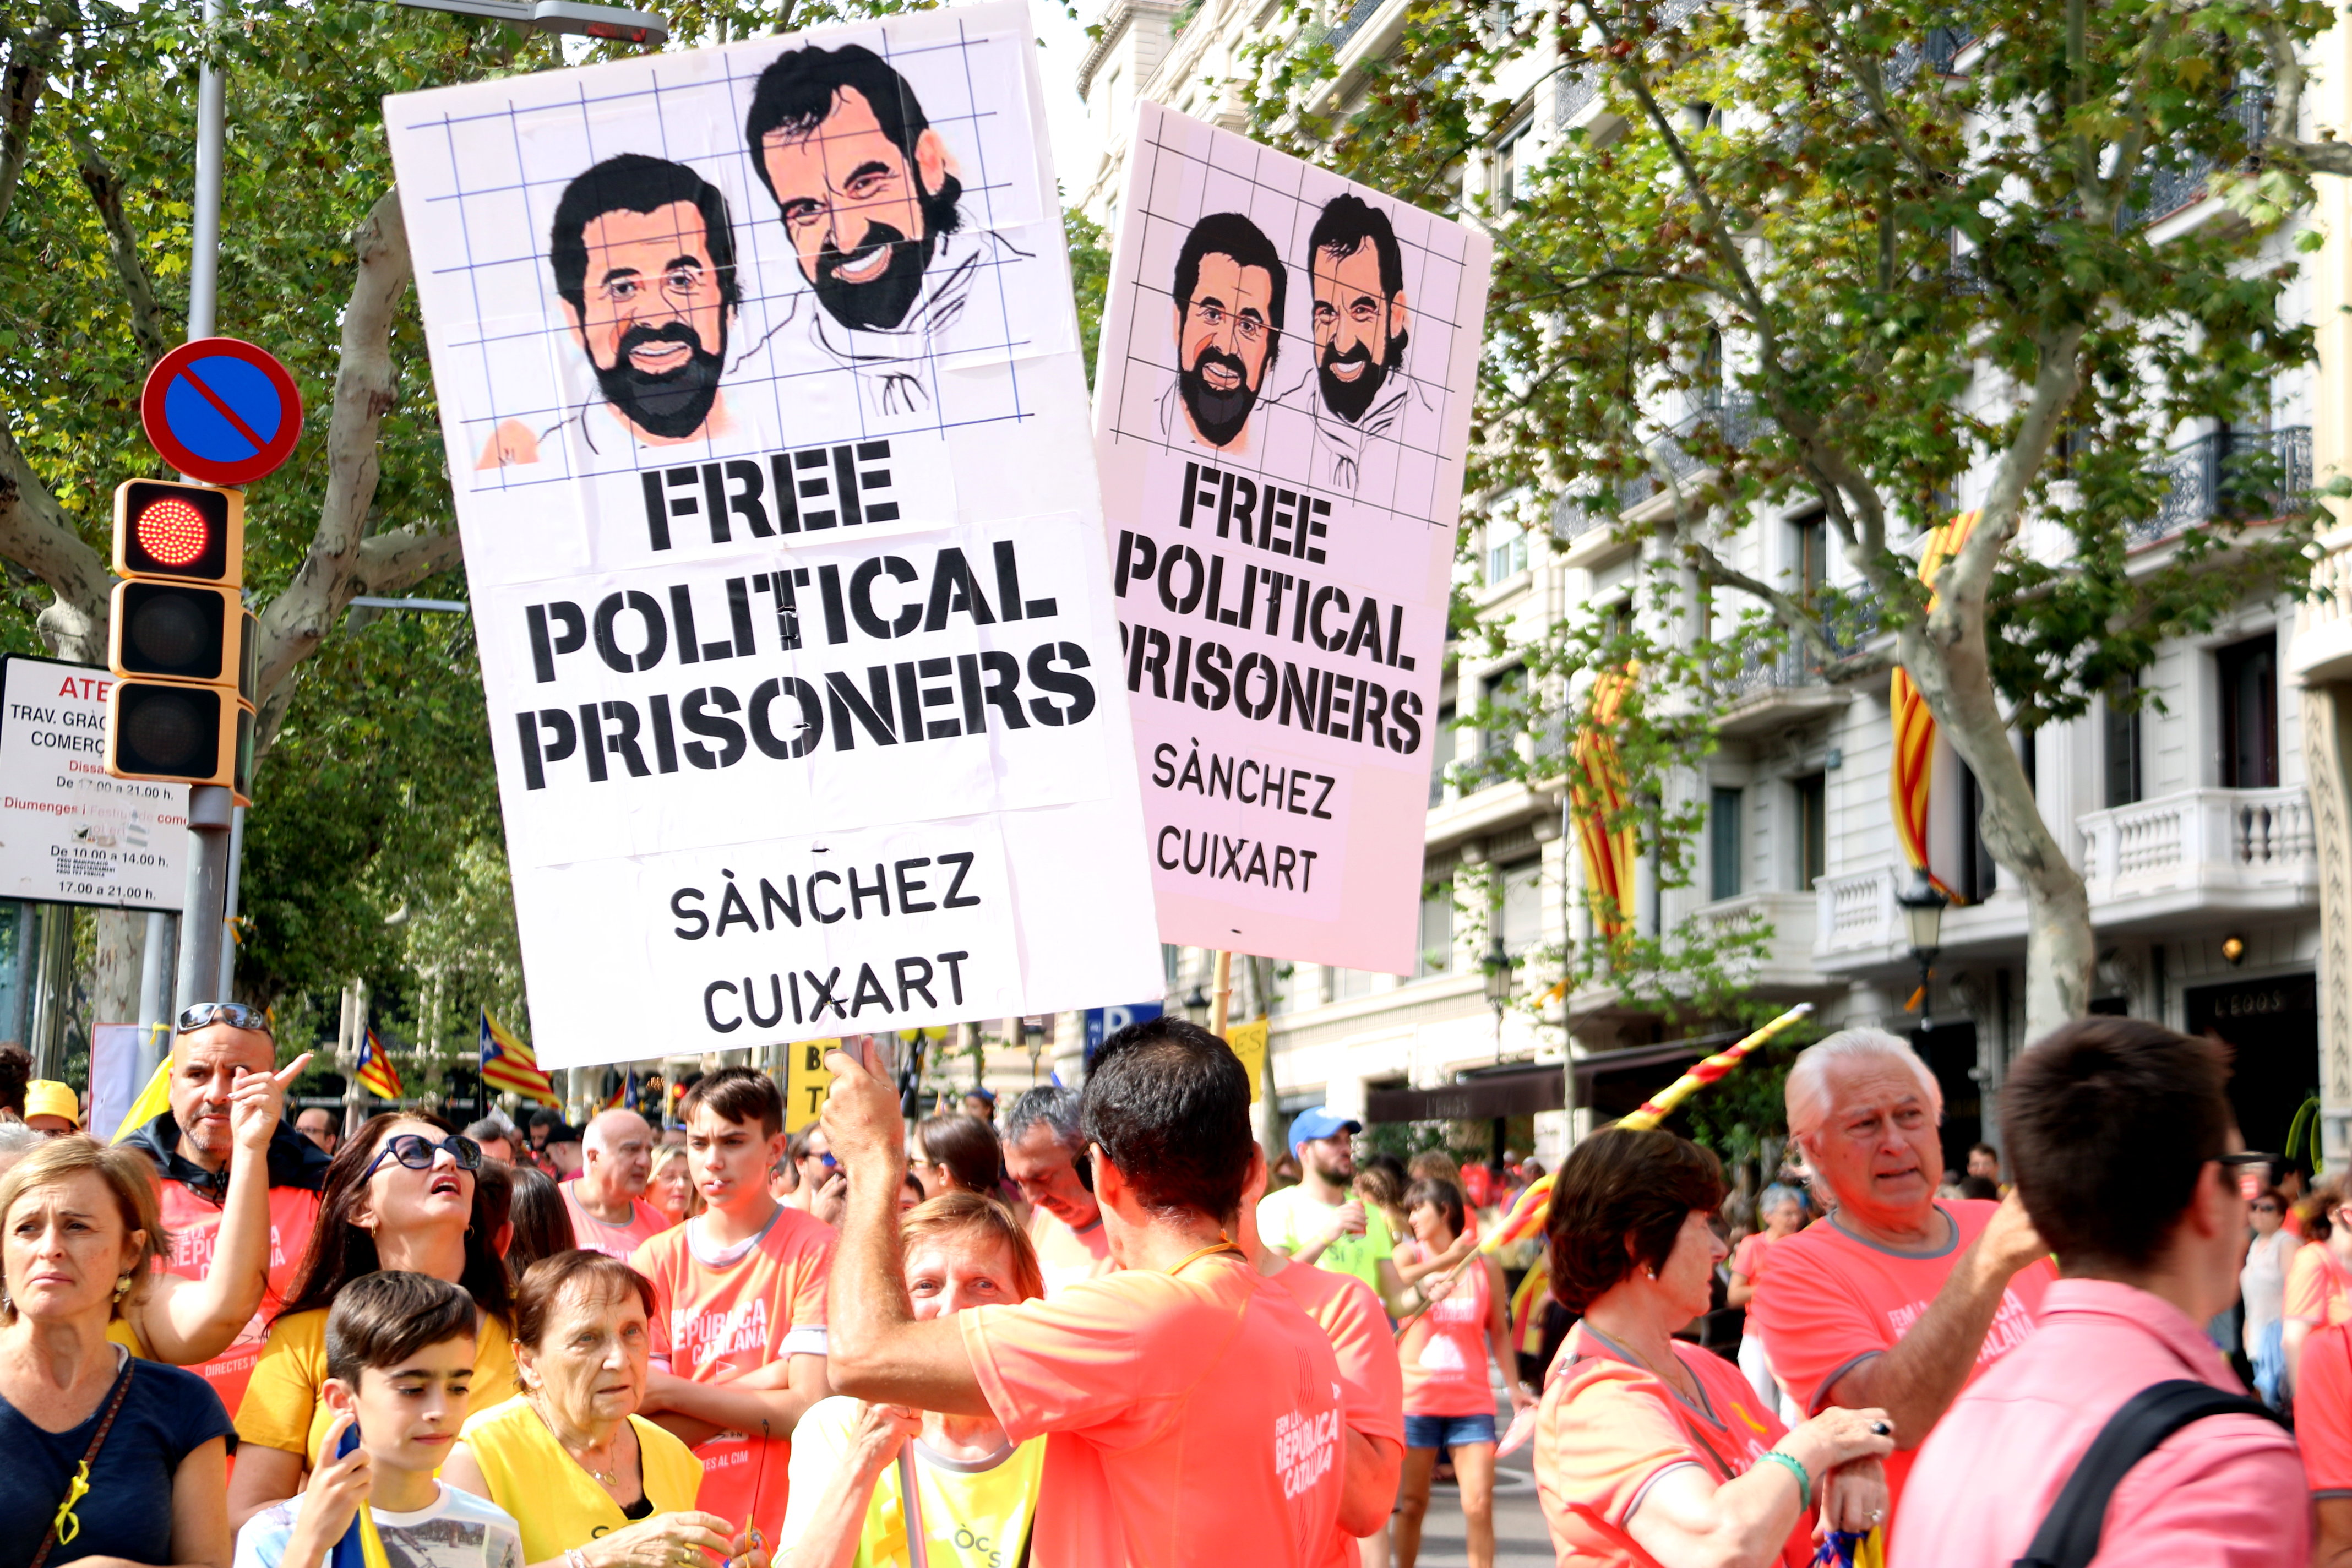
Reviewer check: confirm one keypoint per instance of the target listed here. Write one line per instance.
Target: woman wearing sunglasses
(399, 1195)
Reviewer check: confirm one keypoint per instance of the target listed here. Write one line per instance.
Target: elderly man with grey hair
(1045, 1155)
(606, 1200)
(1897, 1300)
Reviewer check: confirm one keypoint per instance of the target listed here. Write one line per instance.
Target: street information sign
(760, 379)
(222, 411)
(1283, 412)
(68, 834)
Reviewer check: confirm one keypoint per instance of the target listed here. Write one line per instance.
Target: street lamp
(1196, 1006)
(1500, 979)
(614, 22)
(1922, 905)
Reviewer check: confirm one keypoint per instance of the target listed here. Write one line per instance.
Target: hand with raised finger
(256, 1102)
(861, 1116)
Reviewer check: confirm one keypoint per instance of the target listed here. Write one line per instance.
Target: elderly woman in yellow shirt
(593, 1484)
(401, 1194)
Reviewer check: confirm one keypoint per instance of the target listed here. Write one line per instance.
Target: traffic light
(181, 645)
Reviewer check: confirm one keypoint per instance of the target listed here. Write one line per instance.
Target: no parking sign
(222, 411)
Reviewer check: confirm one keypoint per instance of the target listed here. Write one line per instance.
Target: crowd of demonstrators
(1046, 1155)
(401, 1194)
(2261, 1287)
(955, 1153)
(1320, 1221)
(868, 1477)
(606, 1200)
(738, 1340)
(121, 1458)
(1899, 1299)
(1648, 1449)
(2318, 1291)
(1781, 1211)
(1445, 1353)
(568, 1454)
(400, 1357)
(1195, 1415)
(820, 1187)
(2126, 1151)
(223, 1056)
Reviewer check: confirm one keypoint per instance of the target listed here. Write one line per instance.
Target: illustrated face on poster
(1283, 415)
(793, 610)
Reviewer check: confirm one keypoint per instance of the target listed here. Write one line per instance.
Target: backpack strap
(2069, 1536)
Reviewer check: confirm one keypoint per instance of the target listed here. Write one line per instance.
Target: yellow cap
(46, 1097)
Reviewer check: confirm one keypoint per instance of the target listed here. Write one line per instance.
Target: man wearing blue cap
(1320, 1221)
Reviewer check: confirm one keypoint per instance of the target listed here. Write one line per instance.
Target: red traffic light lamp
(180, 642)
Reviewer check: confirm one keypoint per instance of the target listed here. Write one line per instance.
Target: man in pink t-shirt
(606, 1200)
(1897, 1300)
(1193, 1414)
(2120, 1134)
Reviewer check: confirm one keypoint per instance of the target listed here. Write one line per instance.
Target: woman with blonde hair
(108, 1455)
(864, 1477)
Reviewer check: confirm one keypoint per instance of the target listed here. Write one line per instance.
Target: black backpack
(2069, 1536)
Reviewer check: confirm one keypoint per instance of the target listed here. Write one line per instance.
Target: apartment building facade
(2210, 825)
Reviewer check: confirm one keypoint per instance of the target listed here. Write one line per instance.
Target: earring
(121, 1287)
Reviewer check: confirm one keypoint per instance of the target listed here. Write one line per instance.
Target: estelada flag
(508, 1063)
(376, 1074)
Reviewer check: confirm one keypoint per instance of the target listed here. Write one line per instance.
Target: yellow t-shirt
(282, 1408)
(973, 1514)
(559, 1505)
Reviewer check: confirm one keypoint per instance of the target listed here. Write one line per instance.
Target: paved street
(1520, 1539)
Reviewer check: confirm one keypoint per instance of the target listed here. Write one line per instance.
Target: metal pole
(203, 259)
(1566, 961)
(228, 912)
(20, 1025)
(1221, 992)
(153, 1004)
(210, 808)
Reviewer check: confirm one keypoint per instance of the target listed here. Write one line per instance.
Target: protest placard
(760, 383)
(1283, 408)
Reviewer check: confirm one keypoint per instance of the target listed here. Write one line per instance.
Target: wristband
(1796, 1468)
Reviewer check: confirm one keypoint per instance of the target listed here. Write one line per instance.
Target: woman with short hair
(400, 1193)
(112, 1457)
(865, 1476)
(1649, 1451)
(593, 1483)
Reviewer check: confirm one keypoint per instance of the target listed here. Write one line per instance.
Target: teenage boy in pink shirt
(2121, 1139)
(1196, 1418)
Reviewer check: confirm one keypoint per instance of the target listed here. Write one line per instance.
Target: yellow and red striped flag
(1915, 727)
(375, 1072)
(509, 1064)
(1600, 792)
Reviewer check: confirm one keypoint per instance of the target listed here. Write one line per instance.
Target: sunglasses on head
(236, 1014)
(415, 1150)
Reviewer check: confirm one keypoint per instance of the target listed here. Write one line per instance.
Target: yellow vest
(559, 1505)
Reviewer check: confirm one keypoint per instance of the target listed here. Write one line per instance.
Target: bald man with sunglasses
(215, 1047)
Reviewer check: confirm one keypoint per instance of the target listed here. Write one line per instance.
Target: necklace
(1624, 1349)
(579, 1455)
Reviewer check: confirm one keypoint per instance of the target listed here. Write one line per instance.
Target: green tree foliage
(1851, 256)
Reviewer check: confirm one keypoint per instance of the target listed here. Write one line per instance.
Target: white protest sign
(68, 833)
(1288, 363)
(759, 375)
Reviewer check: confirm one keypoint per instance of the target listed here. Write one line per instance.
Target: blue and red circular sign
(221, 411)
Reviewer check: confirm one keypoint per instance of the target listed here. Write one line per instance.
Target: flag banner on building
(1910, 779)
(375, 1072)
(1282, 409)
(1598, 796)
(511, 1066)
(760, 388)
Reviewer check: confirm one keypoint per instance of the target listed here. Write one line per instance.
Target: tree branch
(105, 187)
(1872, 92)
(1786, 609)
(36, 534)
(27, 76)
(2287, 81)
(332, 573)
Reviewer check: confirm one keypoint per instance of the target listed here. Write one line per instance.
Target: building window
(2122, 741)
(1979, 873)
(1510, 151)
(1437, 953)
(1441, 754)
(1506, 692)
(1723, 836)
(1812, 792)
(1518, 904)
(1506, 551)
(2249, 672)
(1808, 554)
(1346, 984)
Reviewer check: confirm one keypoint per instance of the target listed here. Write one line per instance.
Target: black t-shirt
(167, 1414)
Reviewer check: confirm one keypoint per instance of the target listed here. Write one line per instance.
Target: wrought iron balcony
(1349, 26)
(2170, 189)
(2234, 475)
(1734, 417)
